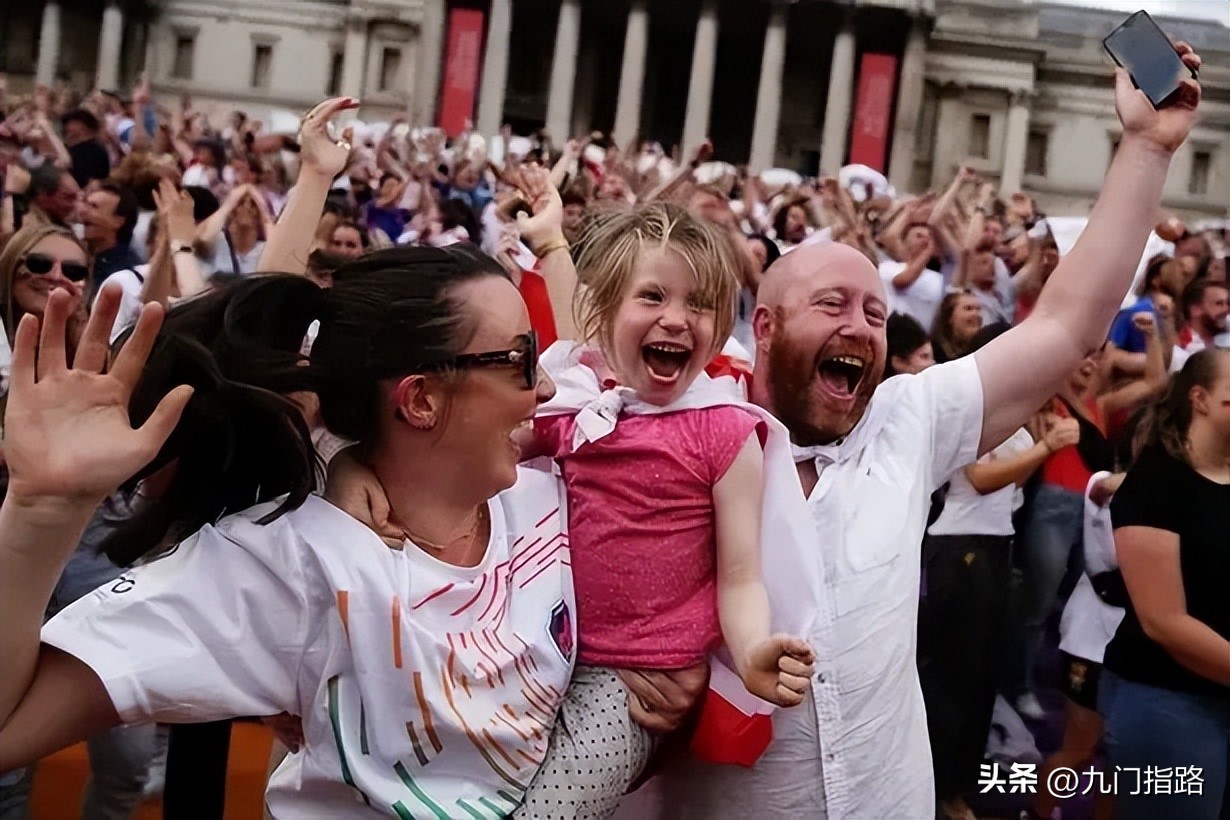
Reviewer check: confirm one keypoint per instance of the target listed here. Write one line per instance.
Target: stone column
(563, 71)
(1016, 137)
(909, 106)
(431, 52)
(109, 40)
(495, 68)
(48, 44)
(632, 75)
(354, 59)
(840, 100)
(700, 88)
(769, 92)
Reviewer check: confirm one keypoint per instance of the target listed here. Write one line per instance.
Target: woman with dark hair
(957, 321)
(909, 346)
(452, 649)
(1165, 689)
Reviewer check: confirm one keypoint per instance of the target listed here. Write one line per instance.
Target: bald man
(869, 456)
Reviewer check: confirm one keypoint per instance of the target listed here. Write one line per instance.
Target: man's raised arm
(1025, 366)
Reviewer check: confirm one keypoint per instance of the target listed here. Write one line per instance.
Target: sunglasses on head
(524, 356)
(40, 265)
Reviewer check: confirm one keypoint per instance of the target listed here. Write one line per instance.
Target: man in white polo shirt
(869, 456)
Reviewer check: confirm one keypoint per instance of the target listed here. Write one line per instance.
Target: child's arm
(775, 668)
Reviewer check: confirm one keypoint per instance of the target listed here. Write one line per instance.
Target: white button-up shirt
(859, 748)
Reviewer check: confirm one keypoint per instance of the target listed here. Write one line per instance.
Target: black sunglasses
(523, 356)
(40, 265)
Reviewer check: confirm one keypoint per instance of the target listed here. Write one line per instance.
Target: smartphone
(1140, 47)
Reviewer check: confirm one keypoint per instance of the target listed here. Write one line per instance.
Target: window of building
(262, 60)
(185, 55)
(1198, 181)
(980, 136)
(390, 69)
(336, 61)
(1035, 153)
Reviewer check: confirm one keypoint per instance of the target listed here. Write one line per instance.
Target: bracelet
(552, 247)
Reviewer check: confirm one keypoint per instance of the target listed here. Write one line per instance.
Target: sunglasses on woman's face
(40, 264)
(524, 356)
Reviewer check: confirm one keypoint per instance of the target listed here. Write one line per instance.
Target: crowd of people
(510, 478)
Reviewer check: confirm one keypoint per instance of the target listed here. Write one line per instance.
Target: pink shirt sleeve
(552, 435)
(720, 433)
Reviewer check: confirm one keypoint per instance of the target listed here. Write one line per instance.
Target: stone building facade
(1019, 88)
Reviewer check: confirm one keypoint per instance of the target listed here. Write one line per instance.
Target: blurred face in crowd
(917, 239)
(1016, 250)
(1082, 377)
(1209, 314)
(31, 290)
(243, 172)
(466, 178)
(982, 268)
(966, 319)
(346, 241)
(992, 232)
(62, 203)
(76, 133)
(1213, 402)
(574, 212)
(916, 362)
(661, 338)
(821, 342)
(757, 252)
(796, 225)
(613, 186)
(247, 214)
(102, 223)
(388, 186)
(203, 156)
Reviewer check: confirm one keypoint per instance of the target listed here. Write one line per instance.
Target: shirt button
(820, 677)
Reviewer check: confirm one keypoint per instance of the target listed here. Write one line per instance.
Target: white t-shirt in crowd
(131, 282)
(1088, 623)
(858, 747)
(968, 512)
(921, 300)
(222, 262)
(425, 689)
(140, 235)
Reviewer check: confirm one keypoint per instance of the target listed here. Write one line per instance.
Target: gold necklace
(410, 535)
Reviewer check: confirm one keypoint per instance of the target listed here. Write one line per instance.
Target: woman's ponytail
(240, 441)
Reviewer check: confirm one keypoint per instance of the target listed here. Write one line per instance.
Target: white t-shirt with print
(425, 689)
(968, 512)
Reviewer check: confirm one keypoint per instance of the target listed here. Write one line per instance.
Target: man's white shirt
(859, 747)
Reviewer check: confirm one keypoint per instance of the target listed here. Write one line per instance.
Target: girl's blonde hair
(20, 244)
(609, 250)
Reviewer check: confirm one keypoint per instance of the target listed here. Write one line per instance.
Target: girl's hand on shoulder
(779, 670)
(354, 489)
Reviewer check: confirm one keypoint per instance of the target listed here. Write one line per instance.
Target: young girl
(665, 472)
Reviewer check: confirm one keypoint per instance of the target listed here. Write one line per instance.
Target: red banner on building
(873, 111)
(461, 64)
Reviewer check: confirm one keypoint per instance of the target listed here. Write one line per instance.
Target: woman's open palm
(67, 432)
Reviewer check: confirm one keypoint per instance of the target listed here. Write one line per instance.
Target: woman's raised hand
(318, 149)
(68, 436)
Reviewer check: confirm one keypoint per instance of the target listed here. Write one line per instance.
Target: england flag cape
(735, 726)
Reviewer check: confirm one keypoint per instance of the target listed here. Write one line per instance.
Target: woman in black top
(1165, 694)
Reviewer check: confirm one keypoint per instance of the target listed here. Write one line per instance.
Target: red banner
(873, 111)
(461, 63)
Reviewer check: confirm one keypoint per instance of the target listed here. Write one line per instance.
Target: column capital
(1021, 96)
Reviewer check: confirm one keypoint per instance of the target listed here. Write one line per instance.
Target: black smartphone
(1140, 47)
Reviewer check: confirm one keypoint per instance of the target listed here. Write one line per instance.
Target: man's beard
(791, 375)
